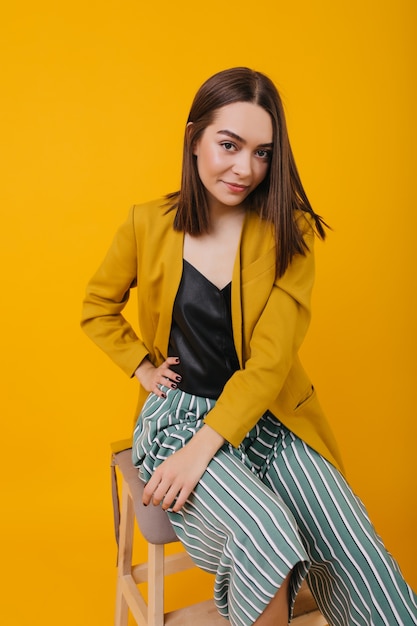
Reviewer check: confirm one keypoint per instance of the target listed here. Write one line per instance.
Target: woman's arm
(107, 295)
(273, 345)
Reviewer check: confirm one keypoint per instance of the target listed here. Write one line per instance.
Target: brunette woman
(231, 440)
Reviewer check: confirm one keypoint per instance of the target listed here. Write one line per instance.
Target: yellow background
(93, 104)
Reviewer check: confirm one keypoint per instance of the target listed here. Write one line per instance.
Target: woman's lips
(235, 187)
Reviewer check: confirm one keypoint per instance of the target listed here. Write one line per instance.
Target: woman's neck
(213, 253)
(225, 217)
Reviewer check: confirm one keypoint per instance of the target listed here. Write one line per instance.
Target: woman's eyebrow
(233, 135)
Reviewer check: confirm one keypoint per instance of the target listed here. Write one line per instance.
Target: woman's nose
(242, 163)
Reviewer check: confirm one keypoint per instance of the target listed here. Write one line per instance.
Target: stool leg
(124, 561)
(155, 585)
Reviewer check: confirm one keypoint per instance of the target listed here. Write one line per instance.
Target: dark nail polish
(178, 378)
(177, 360)
(173, 385)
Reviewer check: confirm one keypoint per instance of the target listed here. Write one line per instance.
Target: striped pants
(270, 507)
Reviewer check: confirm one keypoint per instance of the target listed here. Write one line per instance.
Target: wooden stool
(156, 528)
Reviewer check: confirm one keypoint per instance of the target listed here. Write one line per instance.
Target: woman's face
(233, 153)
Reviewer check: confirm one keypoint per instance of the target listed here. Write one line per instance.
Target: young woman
(231, 439)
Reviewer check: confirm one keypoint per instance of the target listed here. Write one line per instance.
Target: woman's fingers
(173, 481)
(165, 377)
(168, 373)
(150, 488)
(174, 496)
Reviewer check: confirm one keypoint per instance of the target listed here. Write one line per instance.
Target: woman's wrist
(143, 368)
(209, 439)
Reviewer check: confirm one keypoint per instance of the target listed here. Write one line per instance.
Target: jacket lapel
(253, 274)
(171, 255)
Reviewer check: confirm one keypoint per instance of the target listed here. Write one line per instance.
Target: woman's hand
(152, 378)
(176, 477)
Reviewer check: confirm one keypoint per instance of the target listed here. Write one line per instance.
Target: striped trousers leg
(354, 579)
(235, 527)
(270, 507)
(232, 525)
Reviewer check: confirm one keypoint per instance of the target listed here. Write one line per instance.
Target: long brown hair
(280, 194)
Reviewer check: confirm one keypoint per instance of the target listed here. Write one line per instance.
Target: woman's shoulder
(152, 209)
(155, 215)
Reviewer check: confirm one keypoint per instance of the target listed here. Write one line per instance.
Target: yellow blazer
(270, 318)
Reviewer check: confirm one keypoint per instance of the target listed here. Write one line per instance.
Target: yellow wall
(95, 98)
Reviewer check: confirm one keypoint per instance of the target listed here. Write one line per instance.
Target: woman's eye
(228, 145)
(263, 154)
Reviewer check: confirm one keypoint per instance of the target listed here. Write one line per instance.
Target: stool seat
(153, 522)
(157, 530)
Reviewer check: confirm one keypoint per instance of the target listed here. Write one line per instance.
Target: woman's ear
(188, 133)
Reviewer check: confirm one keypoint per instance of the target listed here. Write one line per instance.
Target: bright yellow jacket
(270, 318)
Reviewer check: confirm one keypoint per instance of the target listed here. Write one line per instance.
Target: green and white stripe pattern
(268, 507)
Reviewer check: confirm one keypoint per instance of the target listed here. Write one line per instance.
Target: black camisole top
(201, 335)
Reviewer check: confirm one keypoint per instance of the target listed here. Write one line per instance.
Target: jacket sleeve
(106, 296)
(274, 343)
